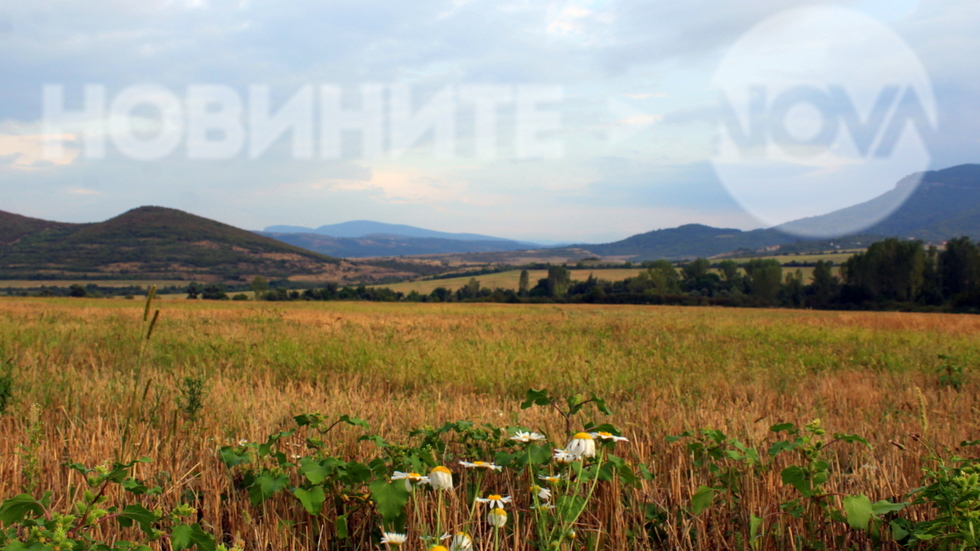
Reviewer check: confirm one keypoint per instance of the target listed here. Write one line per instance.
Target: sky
(578, 121)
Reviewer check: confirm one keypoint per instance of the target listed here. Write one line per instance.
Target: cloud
(657, 56)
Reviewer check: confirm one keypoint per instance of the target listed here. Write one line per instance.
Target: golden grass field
(663, 370)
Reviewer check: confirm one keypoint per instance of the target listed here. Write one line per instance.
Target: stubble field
(905, 382)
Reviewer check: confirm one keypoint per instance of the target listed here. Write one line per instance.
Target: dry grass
(399, 366)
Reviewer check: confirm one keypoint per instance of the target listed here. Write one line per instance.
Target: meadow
(201, 395)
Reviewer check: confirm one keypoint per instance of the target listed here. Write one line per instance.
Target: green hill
(14, 227)
(154, 242)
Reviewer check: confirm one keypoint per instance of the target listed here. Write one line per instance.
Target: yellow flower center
(499, 512)
(495, 497)
(582, 436)
(414, 475)
(606, 434)
(441, 469)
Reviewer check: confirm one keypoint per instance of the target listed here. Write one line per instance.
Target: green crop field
(211, 397)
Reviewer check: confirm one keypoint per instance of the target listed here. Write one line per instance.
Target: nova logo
(771, 121)
(821, 109)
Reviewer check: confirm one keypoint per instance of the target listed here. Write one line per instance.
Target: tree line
(892, 274)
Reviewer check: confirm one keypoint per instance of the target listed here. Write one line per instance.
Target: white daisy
(581, 445)
(544, 494)
(393, 539)
(410, 478)
(602, 435)
(497, 517)
(441, 478)
(496, 501)
(525, 437)
(481, 465)
(562, 456)
(459, 542)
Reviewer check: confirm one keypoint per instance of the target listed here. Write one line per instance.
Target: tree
(793, 290)
(214, 291)
(891, 269)
(559, 278)
(825, 285)
(664, 279)
(193, 290)
(729, 271)
(959, 267)
(697, 268)
(259, 286)
(765, 278)
(525, 284)
(77, 291)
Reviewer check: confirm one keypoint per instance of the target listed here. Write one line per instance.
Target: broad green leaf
(883, 507)
(340, 525)
(357, 473)
(311, 499)
(138, 514)
(539, 454)
(17, 508)
(858, 510)
(313, 471)
(266, 485)
(185, 536)
(795, 476)
(354, 421)
(390, 499)
(702, 499)
(536, 397)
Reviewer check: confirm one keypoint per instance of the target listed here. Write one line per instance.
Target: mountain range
(945, 204)
(163, 243)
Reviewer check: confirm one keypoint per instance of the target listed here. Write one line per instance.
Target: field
(837, 258)
(35, 283)
(505, 280)
(214, 374)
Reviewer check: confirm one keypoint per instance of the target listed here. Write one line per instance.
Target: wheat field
(81, 385)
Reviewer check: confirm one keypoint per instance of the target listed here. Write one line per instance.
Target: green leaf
(702, 499)
(851, 439)
(600, 404)
(340, 525)
(858, 510)
(357, 473)
(185, 536)
(755, 531)
(180, 537)
(17, 508)
(231, 457)
(354, 421)
(779, 427)
(266, 485)
(536, 397)
(313, 471)
(539, 454)
(138, 514)
(390, 499)
(782, 446)
(795, 476)
(311, 499)
(884, 507)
